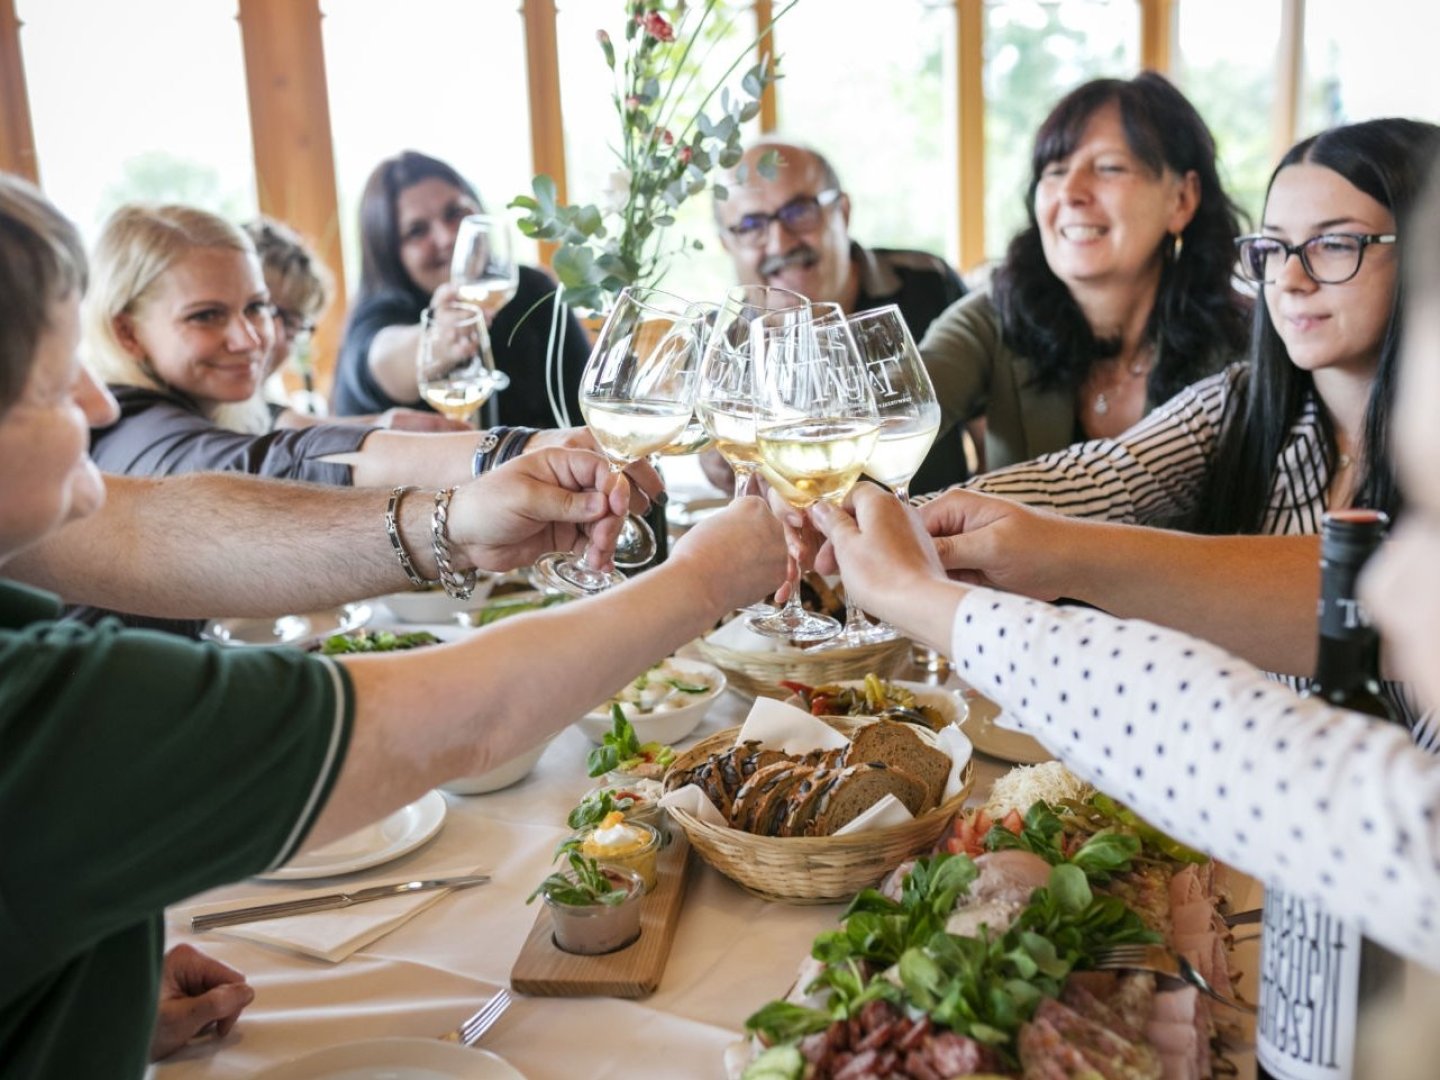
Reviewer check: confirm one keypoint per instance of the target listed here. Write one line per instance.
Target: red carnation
(656, 26)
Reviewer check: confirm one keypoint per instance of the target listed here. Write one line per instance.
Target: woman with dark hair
(1253, 456)
(1116, 296)
(410, 214)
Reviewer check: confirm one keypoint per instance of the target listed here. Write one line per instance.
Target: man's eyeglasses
(295, 323)
(1329, 259)
(801, 214)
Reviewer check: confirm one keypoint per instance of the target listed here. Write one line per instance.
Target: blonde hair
(137, 246)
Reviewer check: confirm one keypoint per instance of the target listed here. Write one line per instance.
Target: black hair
(1387, 159)
(1197, 312)
(380, 266)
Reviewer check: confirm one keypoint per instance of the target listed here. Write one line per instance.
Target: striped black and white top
(1154, 474)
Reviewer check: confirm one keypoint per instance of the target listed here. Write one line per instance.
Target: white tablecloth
(732, 953)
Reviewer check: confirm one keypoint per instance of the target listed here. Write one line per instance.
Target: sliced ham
(1010, 875)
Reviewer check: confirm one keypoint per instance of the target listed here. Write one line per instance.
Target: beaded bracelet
(458, 585)
(392, 529)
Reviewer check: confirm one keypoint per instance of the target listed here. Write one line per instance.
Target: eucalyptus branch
(765, 33)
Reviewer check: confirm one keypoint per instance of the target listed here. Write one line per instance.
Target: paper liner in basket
(778, 726)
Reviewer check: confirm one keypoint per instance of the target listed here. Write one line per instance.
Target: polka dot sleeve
(1328, 804)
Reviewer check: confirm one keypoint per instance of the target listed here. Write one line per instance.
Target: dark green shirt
(136, 769)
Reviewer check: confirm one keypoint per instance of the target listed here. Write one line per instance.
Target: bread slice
(775, 807)
(753, 792)
(800, 807)
(860, 787)
(902, 746)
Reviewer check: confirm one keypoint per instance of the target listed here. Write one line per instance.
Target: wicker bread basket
(759, 673)
(810, 869)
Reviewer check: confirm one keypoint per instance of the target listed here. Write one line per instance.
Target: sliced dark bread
(754, 791)
(902, 746)
(775, 807)
(860, 787)
(800, 807)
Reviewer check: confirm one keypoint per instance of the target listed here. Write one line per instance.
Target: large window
(1364, 60)
(1230, 77)
(124, 111)
(592, 127)
(445, 77)
(871, 91)
(1034, 54)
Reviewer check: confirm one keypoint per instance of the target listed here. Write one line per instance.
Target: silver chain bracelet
(392, 530)
(458, 585)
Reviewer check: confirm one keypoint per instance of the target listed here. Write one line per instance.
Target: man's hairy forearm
(212, 545)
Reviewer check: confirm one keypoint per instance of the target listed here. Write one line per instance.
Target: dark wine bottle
(1317, 973)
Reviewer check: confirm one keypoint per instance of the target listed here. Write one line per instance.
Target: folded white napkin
(327, 935)
(781, 726)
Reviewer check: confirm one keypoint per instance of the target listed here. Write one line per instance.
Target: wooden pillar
(1289, 65)
(970, 133)
(765, 51)
(547, 122)
(17, 138)
(290, 133)
(1157, 35)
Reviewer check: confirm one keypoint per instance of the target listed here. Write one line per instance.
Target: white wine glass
(725, 394)
(451, 373)
(909, 421)
(816, 427)
(483, 267)
(637, 394)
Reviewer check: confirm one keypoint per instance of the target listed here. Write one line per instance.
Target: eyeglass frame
(760, 222)
(1364, 239)
(295, 324)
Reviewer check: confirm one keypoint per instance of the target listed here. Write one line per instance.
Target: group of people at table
(1136, 411)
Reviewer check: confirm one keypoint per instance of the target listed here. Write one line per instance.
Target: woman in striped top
(1251, 454)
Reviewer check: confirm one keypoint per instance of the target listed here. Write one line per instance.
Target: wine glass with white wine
(909, 421)
(816, 427)
(451, 371)
(725, 395)
(637, 394)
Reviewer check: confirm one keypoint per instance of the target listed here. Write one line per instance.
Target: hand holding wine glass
(637, 394)
(909, 421)
(451, 372)
(816, 427)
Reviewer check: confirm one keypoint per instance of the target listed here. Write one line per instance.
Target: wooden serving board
(544, 970)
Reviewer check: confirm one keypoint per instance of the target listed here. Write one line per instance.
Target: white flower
(616, 192)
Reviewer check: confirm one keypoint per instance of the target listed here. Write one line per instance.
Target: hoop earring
(1177, 245)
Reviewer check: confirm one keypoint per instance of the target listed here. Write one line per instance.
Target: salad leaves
(620, 749)
(365, 641)
(1104, 853)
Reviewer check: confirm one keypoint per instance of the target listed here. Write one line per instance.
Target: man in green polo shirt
(138, 769)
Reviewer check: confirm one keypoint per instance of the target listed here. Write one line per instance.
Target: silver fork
(1161, 961)
(470, 1031)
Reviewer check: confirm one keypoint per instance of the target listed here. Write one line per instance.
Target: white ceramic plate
(990, 738)
(298, 630)
(502, 776)
(395, 1059)
(669, 726)
(402, 831)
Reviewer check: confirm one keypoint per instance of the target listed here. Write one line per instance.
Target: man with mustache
(792, 229)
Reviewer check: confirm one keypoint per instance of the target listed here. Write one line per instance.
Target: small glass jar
(637, 850)
(647, 810)
(592, 929)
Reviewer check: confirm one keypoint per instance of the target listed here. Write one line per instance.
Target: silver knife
(201, 923)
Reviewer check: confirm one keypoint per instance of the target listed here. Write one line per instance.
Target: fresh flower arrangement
(666, 153)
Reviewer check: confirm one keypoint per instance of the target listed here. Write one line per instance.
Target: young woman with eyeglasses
(1253, 456)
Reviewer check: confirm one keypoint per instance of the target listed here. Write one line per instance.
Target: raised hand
(737, 555)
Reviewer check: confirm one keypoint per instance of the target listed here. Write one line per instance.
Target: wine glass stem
(854, 618)
(902, 492)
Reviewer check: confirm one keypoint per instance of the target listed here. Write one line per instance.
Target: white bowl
(502, 776)
(434, 605)
(666, 727)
